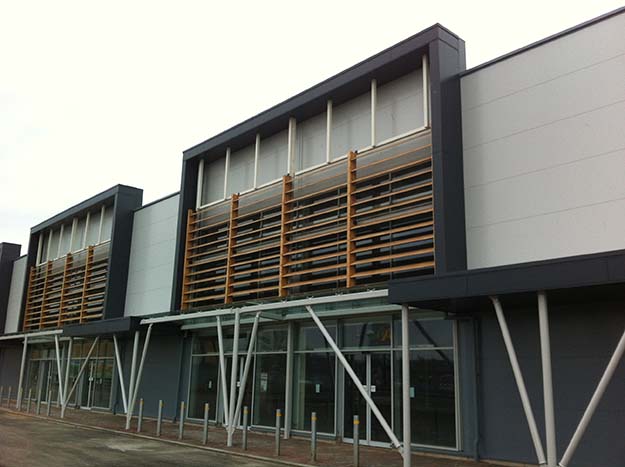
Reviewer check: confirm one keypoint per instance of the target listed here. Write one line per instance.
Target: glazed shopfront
(317, 382)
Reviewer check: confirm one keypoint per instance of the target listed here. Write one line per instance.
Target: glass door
(247, 398)
(374, 371)
(204, 386)
(102, 383)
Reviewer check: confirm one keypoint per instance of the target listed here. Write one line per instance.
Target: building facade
(436, 250)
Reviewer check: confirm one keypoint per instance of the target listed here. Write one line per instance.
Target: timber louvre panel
(67, 290)
(355, 222)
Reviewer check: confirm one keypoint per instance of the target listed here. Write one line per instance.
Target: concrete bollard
(313, 436)
(30, 398)
(245, 415)
(205, 434)
(9, 396)
(356, 441)
(49, 403)
(140, 417)
(159, 418)
(181, 427)
(278, 420)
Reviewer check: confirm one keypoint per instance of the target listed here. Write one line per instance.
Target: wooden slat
(68, 265)
(287, 194)
(45, 287)
(185, 273)
(83, 302)
(351, 211)
(234, 207)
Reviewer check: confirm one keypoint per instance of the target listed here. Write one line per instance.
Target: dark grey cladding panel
(564, 273)
(9, 252)
(100, 328)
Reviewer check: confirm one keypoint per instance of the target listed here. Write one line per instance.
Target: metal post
(133, 374)
(234, 375)
(594, 401)
(205, 434)
(356, 441)
(355, 379)
(30, 396)
(278, 417)
(9, 396)
(67, 367)
(38, 408)
(140, 417)
(18, 405)
(1, 393)
(518, 376)
(20, 396)
(181, 426)
(159, 418)
(137, 382)
(57, 354)
(222, 371)
(120, 373)
(49, 407)
(246, 370)
(405, 380)
(80, 372)
(244, 441)
(288, 397)
(313, 436)
(545, 355)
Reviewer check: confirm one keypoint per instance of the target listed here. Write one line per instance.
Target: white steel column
(226, 169)
(256, 157)
(246, 370)
(288, 396)
(200, 182)
(545, 354)
(291, 169)
(120, 373)
(374, 104)
(329, 131)
(133, 369)
(405, 384)
(354, 377)
(18, 403)
(67, 367)
(518, 376)
(80, 372)
(58, 369)
(234, 373)
(594, 402)
(135, 389)
(222, 372)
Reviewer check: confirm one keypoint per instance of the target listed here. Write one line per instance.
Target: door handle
(373, 388)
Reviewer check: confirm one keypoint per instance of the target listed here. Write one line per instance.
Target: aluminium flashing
(340, 87)
(540, 42)
(158, 200)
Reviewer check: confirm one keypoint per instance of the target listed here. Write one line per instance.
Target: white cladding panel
(544, 150)
(151, 269)
(16, 292)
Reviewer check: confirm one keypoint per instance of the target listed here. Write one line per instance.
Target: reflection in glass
(313, 391)
(269, 388)
(425, 332)
(366, 334)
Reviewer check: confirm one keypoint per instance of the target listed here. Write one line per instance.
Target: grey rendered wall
(544, 150)
(583, 339)
(15, 295)
(151, 269)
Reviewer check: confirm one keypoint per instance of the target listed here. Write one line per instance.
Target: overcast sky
(93, 94)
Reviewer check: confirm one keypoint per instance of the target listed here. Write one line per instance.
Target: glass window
(271, 340)
(313, 390)
(272, 158)
(205, 344)
(351, 125)
(311, 142)
(432, 396)
(269, 387)
(371, 333)
(204, 386)
(426, 332)
(93, 228)
(44, 246)
(399, 106)
(241, 170)
(107, 224)
(79, 235)
(309, 337)
(65, 239)
(213, 180)
(53, 249)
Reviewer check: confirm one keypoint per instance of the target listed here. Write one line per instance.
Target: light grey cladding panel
(351, 126)
(576, 51)
(241, 170)
(213, 180)
(151, 268)
(544, 150)
(311, 142)
(16, 291)
(273, 158)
